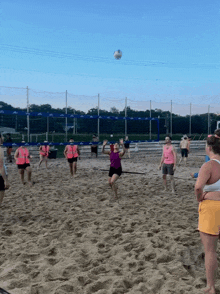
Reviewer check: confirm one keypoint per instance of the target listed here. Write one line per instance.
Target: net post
(66, 119)
(28, 118)
(150, 120)
(98, 115)
(126, 129)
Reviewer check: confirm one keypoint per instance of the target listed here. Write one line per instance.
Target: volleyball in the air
(118, 54)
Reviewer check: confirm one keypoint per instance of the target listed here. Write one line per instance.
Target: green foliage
(180, 124)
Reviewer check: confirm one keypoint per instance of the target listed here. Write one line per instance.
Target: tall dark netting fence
(66, 119)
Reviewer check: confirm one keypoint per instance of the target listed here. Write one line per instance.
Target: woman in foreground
(115, 166)
(71, 153)
(207, 191)
(22, 158)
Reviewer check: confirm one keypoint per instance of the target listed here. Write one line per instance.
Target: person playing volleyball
(44, 153)
(168, 163)
(22, 158)
(115, 165)
(207, 191)
(71, 153)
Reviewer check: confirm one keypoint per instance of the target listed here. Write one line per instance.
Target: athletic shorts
(168, 169)
(71, 160)
(2, 184)
(117, 171)
(126, 145)
(184, 152)
(209, 217)
(94, 149)
(23, 166)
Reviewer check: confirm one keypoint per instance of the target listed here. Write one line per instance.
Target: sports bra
(213, 187)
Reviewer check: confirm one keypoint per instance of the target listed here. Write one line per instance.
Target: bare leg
(71, 168)
(21, 172)
(172, 184)
(129, 154)
(46, 163)
(74, 168)
(165, 182)
(180, 160)
(211, 264)
(2, 194)
(114, 187)
(185, 161)
(109, 181)
(41, 160)
(28, 169)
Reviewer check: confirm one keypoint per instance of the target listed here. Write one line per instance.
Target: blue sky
(171, 51)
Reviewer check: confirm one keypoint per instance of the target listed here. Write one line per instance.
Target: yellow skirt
(209, 217)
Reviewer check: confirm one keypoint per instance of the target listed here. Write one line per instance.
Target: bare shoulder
(206, 167)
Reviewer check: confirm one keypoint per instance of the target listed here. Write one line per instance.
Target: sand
(67, 235)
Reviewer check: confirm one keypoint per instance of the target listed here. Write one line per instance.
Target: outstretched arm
(65, 151)
(175, 156)
(162, 160)
(103, 147)
(122, 152)
(16, 154)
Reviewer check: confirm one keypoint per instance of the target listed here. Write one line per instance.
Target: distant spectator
(94, 148)
(127, 146)
(184, 146)
(9, 148)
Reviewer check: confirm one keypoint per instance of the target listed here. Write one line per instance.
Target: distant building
(5, 130)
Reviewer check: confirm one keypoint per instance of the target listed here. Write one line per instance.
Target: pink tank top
(168, 155)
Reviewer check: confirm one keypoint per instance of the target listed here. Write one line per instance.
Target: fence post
(150, 120)
(66, 118)
(47, 129)
(126, 130)
(28, 118)
(190, 120)
(171, 122)
(98, 115)
(208, 119)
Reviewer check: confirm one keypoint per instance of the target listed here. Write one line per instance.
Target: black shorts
(2, 184)
(168, 169)
(126, 145)
(94, 149)
(71, 160)
(23, 166)
(184, 152)
(117, 171)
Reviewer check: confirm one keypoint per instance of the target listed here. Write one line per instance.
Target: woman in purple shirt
(115, 166)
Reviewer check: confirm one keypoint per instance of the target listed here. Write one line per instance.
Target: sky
(170, 51)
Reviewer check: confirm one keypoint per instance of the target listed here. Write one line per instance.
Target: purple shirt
(115, 160)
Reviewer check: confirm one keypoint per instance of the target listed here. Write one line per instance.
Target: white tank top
(213, 187)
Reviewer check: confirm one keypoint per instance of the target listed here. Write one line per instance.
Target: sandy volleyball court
(68, 235)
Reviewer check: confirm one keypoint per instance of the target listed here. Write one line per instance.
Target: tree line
(180, 124)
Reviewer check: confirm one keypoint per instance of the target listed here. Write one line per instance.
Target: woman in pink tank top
(115, 166)
(71, 152)
(168, 161)
(44, 151)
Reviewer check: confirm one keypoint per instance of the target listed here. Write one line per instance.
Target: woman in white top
(184, 146)
(207, 191)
